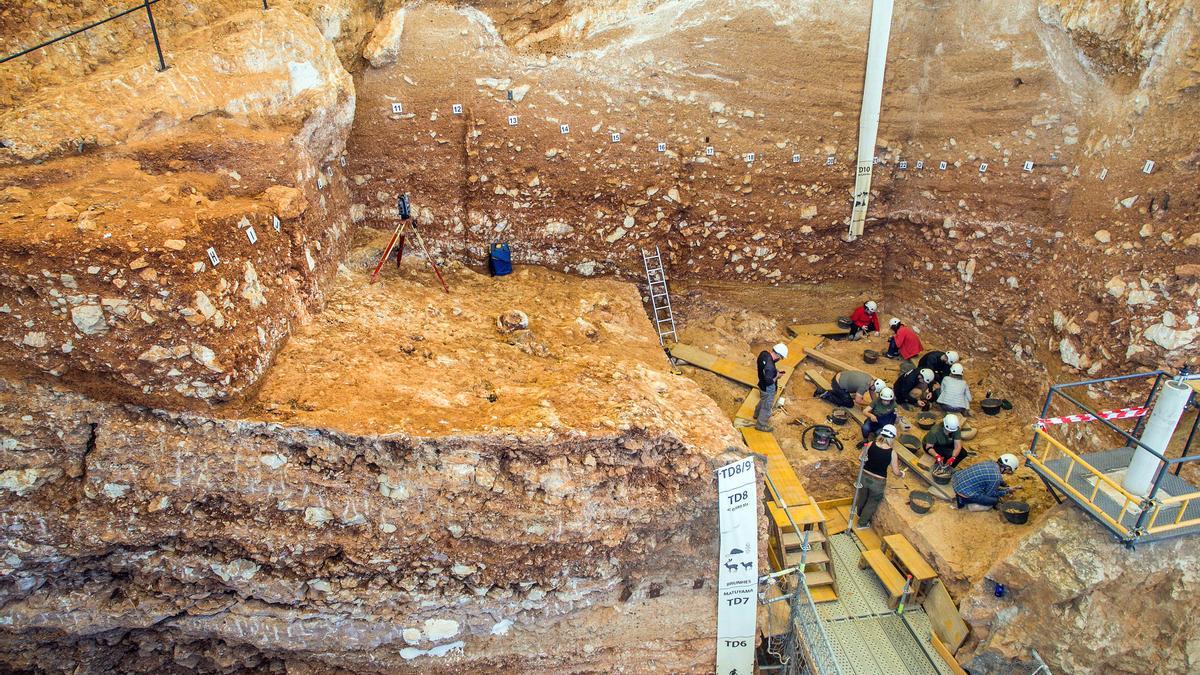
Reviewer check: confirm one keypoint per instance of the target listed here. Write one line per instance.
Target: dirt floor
(735, 322)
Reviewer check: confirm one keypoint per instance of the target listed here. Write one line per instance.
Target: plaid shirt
(980, 480)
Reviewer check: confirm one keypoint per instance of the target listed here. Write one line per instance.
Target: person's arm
(896, 463)
(958, 446)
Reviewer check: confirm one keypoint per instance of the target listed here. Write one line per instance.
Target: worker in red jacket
(864, 320)
(904, 343)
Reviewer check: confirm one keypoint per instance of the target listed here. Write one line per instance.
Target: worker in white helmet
(864, 319)
(981, 486)
(954, 396)
(939, 363)
(852, 388)
(876, 458)
(880, 412)
(768, 376)
(913, 388)
(944, 442)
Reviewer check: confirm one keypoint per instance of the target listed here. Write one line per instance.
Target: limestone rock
(512, 320)
(288, 202)
(384, 46)
(89, 319)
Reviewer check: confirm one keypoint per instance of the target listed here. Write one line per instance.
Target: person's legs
(979, 503)
(869, 498)
(892, 351)
(839, 396)
(869, 428)
(766, 401)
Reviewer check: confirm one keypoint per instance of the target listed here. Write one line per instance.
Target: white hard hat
(781, 350)
(894, 322)
(927, 375)
(1010, 461)
(950, 422)
(952, 357)
(879, 385)
(887, 394)
(871, 306)
(956, 369)
(889, 431)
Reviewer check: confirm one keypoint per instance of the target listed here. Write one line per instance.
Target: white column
(1172, 399)
(868, 119)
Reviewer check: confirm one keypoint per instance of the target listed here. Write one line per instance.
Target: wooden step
(892, 580)
(792, 540)
(821, 578)
(803, 515)
(823, 594)
(909, 559)
(815, 557)
(835, 520)
(869, 539)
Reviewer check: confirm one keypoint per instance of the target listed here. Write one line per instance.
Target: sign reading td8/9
(737, 572)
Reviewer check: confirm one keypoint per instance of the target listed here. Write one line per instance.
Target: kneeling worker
(913, 388)
(876, 457)
(939, 363)
(944, 443)
(980, 486)
(767, 376)
(850, 388)
(881, 413)
(954, 395)
(864, 320)
(904, 343)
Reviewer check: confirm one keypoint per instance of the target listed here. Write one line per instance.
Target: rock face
(1086, 604)
(393, 508)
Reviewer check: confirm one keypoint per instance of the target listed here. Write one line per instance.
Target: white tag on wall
(829, 161)
(564, 128)
(1103, 173)
(750, 156)
(456, 108)
(1148, 167)
(1028, 166)
(795, 159)
(983, 168)
(212, 256)
(397, 108)
(252, 235)
(920, 164)
(662, 147)
(512, 120)
(942, 165)
(709, 151)
(616, 138)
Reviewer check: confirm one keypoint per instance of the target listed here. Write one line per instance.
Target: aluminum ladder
(660, 298)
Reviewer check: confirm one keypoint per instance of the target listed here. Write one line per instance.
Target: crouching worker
(864, 319)
(876, 457)
(768, 374)
(944, 443)
(851, 388)
(979, 487)
(954, 396)
(904, 343)
(881, 413)
(913, 388)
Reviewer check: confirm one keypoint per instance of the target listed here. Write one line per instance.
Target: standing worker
(904, 343)
(768, 374)
(979, 487)
(955, 395)
(881, 413)
(944, 442)
(913, 388)
(876, 457)
(850, 388)
(864, 320)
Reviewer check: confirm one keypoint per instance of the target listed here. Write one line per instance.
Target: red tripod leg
(400, 252)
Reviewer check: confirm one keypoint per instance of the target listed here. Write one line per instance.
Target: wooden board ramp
(944, 617)
(737, 372)
(943, 492)
(830, 361)
(944, 652)
(829, 329)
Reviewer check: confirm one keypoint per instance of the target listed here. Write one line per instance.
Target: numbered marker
(1148, 167)
(456, 109)
(1028, 166)
(709, 152)
(512, 120)
(749, 156)
(920, 164)
(564, 128)
(397, 108)
(1103, 173)
(903, 166)
(942, 166)
(275, 222)
(983, 168)
(830, 160)
(662, 147)
(252, 235)
(616, 138)
(212, 256)
(510, 94)
(795, 159)
(342, 160)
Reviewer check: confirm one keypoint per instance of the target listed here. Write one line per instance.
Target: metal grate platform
(868, 637)
(1114, 461)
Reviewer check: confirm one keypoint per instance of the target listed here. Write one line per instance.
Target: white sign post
(737, 576)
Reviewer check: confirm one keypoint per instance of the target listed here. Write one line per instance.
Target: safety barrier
(1182, 502)
(1063, 480)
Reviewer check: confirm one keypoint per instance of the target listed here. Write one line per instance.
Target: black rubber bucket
(991, 406)
(920, 501)
(1016, 513)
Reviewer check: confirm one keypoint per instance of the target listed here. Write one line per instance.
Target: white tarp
(737, 576)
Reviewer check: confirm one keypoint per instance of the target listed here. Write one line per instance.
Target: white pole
(1158, 432)
(868, 119)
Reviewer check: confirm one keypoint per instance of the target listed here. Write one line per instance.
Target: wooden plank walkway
(943, 492)
(830, 329)
(737, 372)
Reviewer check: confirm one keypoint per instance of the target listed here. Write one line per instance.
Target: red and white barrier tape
(1119, 414)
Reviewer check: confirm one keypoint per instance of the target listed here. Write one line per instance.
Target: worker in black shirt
(767, 376)
(939, 363)
(876, 457)
(915, 388)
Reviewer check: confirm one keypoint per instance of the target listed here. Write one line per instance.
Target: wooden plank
(823, 594)
(803, 515)
(796, 353)
(775, 620)
(911, 560)
(944, 616)
(940, 648)
(815, 557)
(834, 503)
(830, 329)
(1194, 384)
(942, 492)
(791, 540)
(741, 373)
(892, 580)
(834, 362)
(869, 539)
(835, 522)
(818, 579)
(817, 379)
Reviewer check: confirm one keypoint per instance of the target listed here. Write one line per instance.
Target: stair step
(792, 540)
(823, 594)
(886, 571)
(821, 578)
(815, 557)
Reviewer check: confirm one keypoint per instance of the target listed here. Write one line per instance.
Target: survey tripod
(396, 243)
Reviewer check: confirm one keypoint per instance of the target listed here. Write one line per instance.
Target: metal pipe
(1101, 380)
(162, 65)
(868, 119)
(1148, 459)
(77, 31)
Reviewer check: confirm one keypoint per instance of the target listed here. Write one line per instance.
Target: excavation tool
(396, 243)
